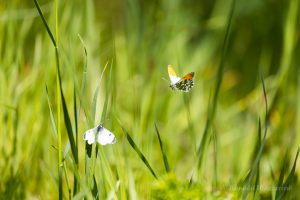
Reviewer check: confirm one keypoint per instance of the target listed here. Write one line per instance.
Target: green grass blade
(69, 127)
(253, 158)
(58, 97)
(108, 91)
(75, 119)
(211, 115)
(90, 150)
(95, 189)
(91, 157)
(44, 22)
(67, 179)
(254, 167)
(163, 152)
(283, 170)
(266, 103)
(258, 144)
(84, 74)
(90, 162)
(76, 183)
(58, 102)
(215, 157)
(94, 103)
(272, 173)
(60, 183)
(291, 175)
(261, 145)
(137, 150)
(289, 180)
(107, 176)
(202, 146)
(51, 112)
(89, 169)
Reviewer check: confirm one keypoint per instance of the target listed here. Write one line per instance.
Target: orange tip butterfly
(99, 134)
(184, 84)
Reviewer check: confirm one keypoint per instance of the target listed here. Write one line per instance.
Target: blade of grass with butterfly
(58, 93)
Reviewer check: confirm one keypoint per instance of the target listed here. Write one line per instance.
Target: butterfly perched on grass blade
(99, 134)
(184, 84)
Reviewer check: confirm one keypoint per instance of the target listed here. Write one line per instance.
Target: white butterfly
(99, 134)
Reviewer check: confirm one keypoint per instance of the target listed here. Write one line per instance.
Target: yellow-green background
(137, 40)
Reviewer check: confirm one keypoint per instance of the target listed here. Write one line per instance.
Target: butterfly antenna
(165, 79)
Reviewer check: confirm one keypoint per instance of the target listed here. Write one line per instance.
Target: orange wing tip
(188, 76)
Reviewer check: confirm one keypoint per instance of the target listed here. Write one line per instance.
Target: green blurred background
(137, 40)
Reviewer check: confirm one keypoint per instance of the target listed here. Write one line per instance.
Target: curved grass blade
(76, 183)
(95, 188)
(163, 152)
(94, 103)
(261, 147)
(137, 150)
(84, 74)
(107, 175)
(44, 22)
(67, 179)
(108, 91)
(51, 112)
(58, 97)
(258, 144)
(215, 157)
(95, 97)
(69, 126)
(90, 178)
(289, 180)
(254, 166)
(93, 151)
(245, 180)
(211, 115)
(75, 118)
(284, 167)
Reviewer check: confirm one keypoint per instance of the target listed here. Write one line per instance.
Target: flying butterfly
(99, 134)
(184, 84)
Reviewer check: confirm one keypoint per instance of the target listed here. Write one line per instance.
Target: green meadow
(67, 66)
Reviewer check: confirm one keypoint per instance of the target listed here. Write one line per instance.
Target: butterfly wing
(173, 78)
(188, 76)
(105, 136)
(90, 136)
(186, 83)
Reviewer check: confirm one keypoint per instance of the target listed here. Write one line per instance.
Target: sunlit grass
(67, 66)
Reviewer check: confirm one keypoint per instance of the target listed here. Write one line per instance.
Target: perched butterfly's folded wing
(90, 136)
(173, 78)
(105, 137)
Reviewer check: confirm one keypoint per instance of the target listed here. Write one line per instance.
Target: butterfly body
(184, 84)
(99, 134)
